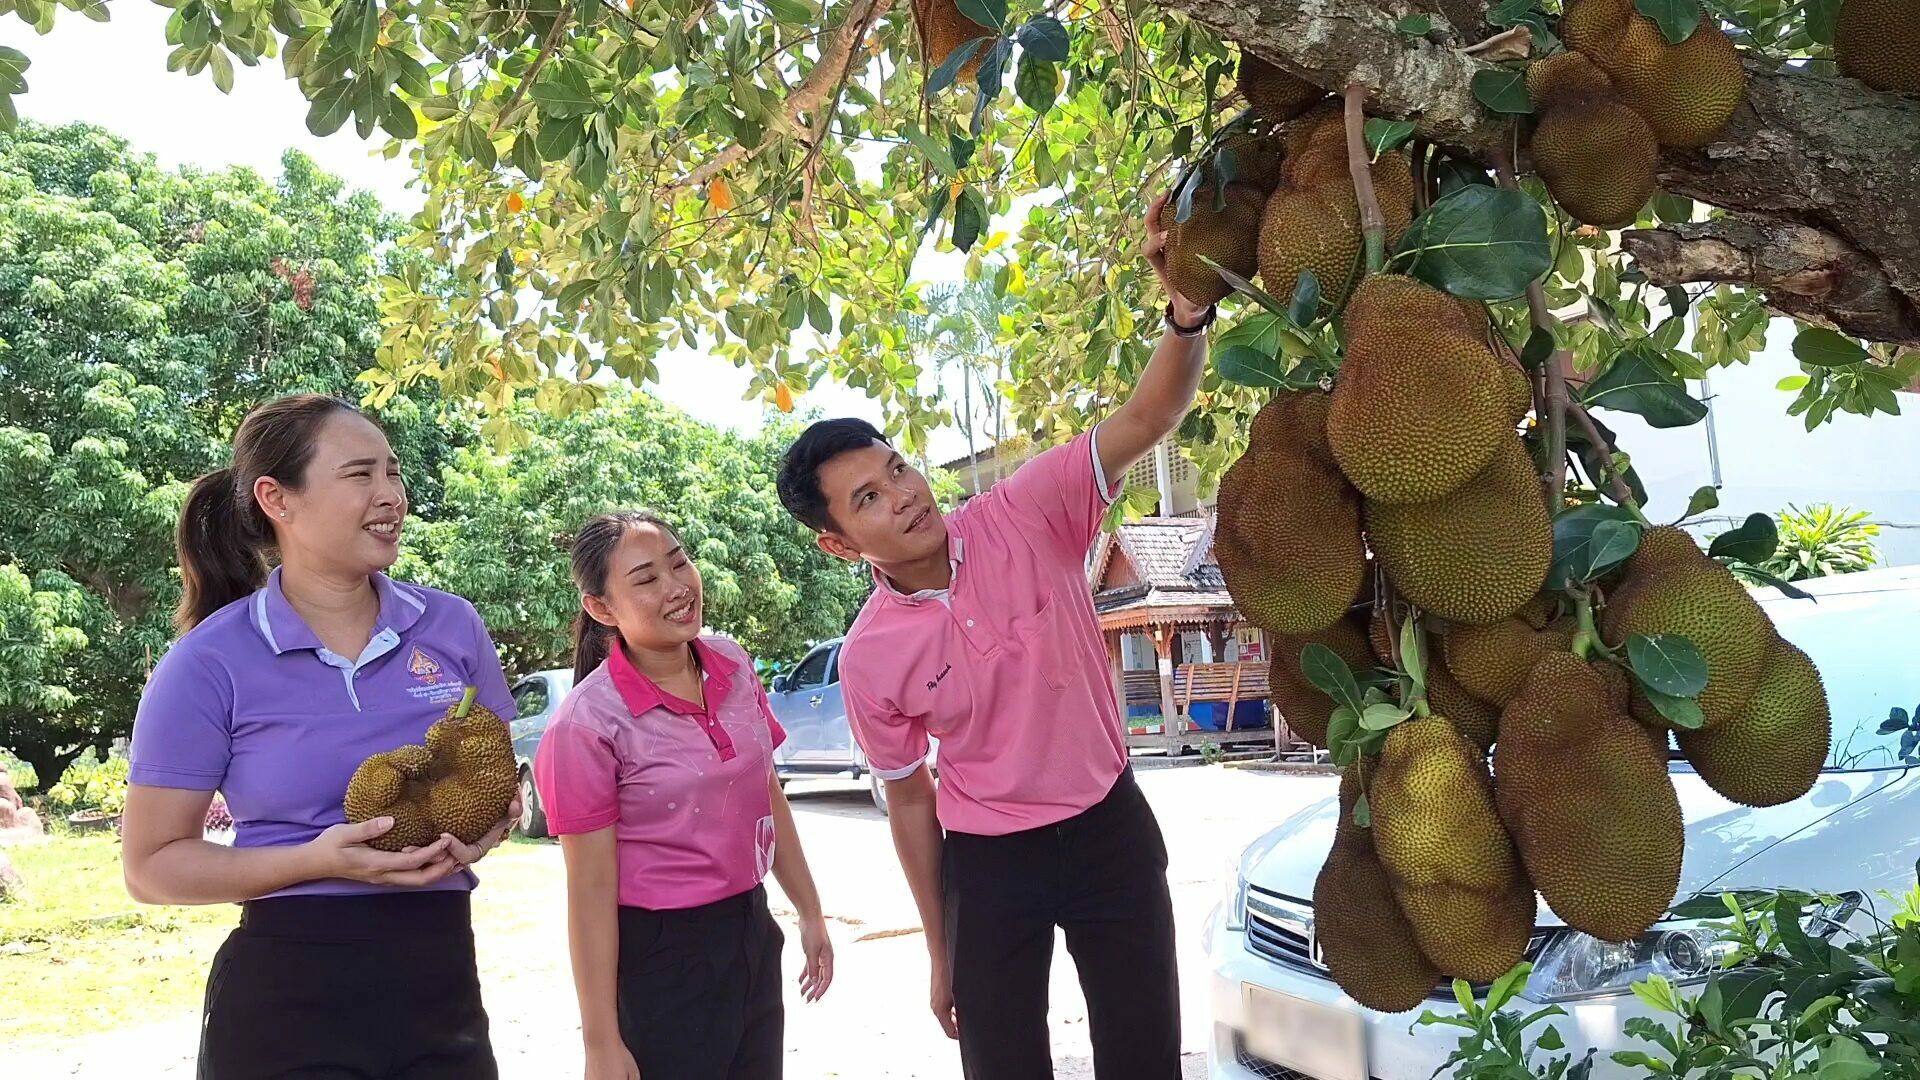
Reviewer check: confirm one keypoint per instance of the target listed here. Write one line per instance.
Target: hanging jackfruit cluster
(1312, 220)
(461, 782)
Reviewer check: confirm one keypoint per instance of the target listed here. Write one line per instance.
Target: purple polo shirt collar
(641, 694)
(955, 548)
(274, 618)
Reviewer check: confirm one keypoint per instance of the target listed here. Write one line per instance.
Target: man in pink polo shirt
(981, 633)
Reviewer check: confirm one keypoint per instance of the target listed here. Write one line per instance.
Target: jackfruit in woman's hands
(461, 782)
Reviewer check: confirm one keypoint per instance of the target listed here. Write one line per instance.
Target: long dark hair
(223, 537)
(592, 550)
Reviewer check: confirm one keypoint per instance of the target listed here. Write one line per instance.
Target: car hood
(1822, 841)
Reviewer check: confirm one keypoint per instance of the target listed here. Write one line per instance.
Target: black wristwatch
(1213, 311)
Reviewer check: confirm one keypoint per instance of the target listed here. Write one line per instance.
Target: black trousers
(378, 987)
(699, 990)
(1100, 876)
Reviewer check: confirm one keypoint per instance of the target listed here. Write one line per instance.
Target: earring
(283, 515)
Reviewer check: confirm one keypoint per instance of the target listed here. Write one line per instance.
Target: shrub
(1823, 540)
(91, 784)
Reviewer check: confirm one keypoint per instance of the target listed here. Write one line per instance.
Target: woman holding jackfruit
(657, 775)
(354, 955)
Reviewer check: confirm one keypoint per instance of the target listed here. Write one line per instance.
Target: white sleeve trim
(897, 774)
(1107, 494)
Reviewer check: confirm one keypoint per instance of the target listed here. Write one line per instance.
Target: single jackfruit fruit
(1588, 802)
(1420, 406)
(1492, 661)
(1476, 554)
(1672, 587)
(1229, 237)
(1366, 942)
(1314, 228)
(1257, 159)
(1593, 26)
(1304, 707)
(1686, 92)
(1772, 752)
(1287, 531)
(943, 29)
(1878, 42)
(1596, 155)
(1454, 869)
(1275, 94)
(461, 782)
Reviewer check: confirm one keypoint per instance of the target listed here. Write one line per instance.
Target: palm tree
(961, 327)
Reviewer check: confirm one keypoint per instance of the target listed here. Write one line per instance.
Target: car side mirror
(779, 684)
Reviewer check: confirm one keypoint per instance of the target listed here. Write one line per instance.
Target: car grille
(1261, 1067)
(1281, 930)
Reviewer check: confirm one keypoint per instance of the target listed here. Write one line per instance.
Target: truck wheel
(879, 789)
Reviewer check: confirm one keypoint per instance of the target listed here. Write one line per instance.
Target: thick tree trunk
(1826, 154)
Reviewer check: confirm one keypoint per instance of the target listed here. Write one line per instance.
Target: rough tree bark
(1823, 161)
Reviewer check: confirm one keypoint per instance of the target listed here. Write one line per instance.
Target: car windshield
(1862, 634)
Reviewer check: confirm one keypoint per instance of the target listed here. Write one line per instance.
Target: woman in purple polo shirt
(348, 961)
(657, 775)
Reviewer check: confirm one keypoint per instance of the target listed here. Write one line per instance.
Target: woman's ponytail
(220, 549)
(592, 640)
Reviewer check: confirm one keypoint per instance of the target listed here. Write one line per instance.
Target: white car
(1277, 1015)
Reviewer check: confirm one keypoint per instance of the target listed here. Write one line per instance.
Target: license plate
(1309, 1038)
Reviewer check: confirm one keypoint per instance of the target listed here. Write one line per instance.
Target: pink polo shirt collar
(640, 693)
(955, 556)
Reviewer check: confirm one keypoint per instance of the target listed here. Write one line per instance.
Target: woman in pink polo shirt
(657, 775)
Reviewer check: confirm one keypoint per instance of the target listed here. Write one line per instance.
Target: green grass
(78, 956)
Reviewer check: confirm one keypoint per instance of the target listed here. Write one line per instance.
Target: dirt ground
(873, 1025)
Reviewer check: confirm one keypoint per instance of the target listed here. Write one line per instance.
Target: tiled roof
(1162, 552)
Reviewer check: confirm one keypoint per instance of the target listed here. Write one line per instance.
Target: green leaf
(1044, 38)
(1704, 499)
(1681, 712)
(933, 148)
(1506, 986)
(1539, 349)
(1844, 1059)
(1481, 243)
(1821, 17)
(1416, 25)
(556, 140)
(819, 316)
(791, 12)
(399, 120)
(1247, 366)
(969, 218)
(1325, 670)
(1386, 136)
(989, 80)
(223, 72)
(1342, 724)
(991, 14)
(330, 108)
(1746, 991)
(1502, 90)
(1787, 588)
(1363, 812)
(1381, 717)
(1669, 207)
(1817, 346)
(472, 140)
(563, 93)
(1243, 286)
(1754, 541)
(1306, 299)
(1550, 1040)
(1574, 532)
(1509, 12)
(1677, 18)
(1612, 543)
(360, 27)
(1792, 383)
(13, 70)
(413, 77)
(1036, 83)
(572, 296)
(949, 69)
(1641, 382)
(1668, 663)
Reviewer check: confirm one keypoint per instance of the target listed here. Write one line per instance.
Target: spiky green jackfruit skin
(1596, 155)
(1275, 94)
(1878, 42)
(1519, 392)
(1475, 555)
(1588, 801)
(461, 782)
(1304, 707)
(1455, 872)
(1420, 406)
(1228, 236)
(1672, 587)
(1493, 661)
(1772, 752)
(1476, 719)
(1687, 92)
(1257, 159)
(1314, 228)
(1367, 944)
(1287, 531)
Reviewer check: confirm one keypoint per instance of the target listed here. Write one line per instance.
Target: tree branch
(1553, 407)
(1373, 225)
(546, 53)
(1822, 152)
(1604, 472)
(836, 62)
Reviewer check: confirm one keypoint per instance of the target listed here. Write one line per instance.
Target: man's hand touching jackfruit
(1185, 311)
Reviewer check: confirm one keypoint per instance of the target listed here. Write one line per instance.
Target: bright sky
(114, 75)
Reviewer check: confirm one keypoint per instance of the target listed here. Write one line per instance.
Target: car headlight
(1575, 965)
(1236, 898)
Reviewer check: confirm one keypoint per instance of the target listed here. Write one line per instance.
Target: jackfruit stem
(1373, 224)
(1586, 640)
(466, 703)
(1616, 484)
(1553, 410)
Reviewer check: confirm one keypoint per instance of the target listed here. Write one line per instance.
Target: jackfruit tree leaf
(1896, 721)
(1508, 12)
(1325, 670)
(1678, 302)
(1573, 538)
(1044, 39)
(330, 108)
(1363, 812)
(969, 218)
(1786, 588)
(563, 92)
(1502, 90)
(1306, 299)
(556, 140)
(1821, 17)
(1817, 346)
(1704, 498)
(1385, 136)
(1342, 725)
(1413, 659)
(1455, 173)
(1611, 544)
(1242, 285)
(1669, 207)
(13, 70)
(1247, 366)
(791, 12)
(571, 296)
(1036, 83)
(1539, 349)
(1753, 542)
(992, 67)
(949, 69)
(937, 153)
(1681, 712)
(991, 14)
(1419, 25)
(1382, 717)
(1677, 18)
(962, 148)
(1642, 382)
(1668, 663)
(1844, 1059)
(1480, 243)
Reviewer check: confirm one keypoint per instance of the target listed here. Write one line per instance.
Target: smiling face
(882, 508)
(653, 594)
(346, 516)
